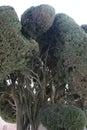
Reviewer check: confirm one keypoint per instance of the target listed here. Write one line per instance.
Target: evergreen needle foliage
(68, 117)
(44, 70)
(37, 20)
(14, 47)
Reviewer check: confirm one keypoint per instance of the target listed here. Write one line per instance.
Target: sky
(77, 9)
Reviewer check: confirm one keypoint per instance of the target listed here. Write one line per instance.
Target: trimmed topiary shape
(64, 48)
(73, 53)
(14, 47)
(67, 117)
(37, 20)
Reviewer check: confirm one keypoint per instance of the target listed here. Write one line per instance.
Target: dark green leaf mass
(68, 117)
(37, 20)
(73, 52)
(7, 111)
(46, 69)
(14, 47)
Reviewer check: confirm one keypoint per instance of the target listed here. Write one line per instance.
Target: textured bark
(19, 117)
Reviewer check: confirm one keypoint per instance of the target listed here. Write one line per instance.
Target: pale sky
(77, 9)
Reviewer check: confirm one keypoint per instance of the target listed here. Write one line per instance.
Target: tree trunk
(34, 126)
(22, 119)
(19, 117)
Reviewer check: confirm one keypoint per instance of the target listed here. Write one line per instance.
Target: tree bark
(19, 117)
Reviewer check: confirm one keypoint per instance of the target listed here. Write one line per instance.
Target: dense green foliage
(68, 44)
(73, 53)
(8, 110)
(46, 69)
(68, 117)
(13, 46)
(37, 20)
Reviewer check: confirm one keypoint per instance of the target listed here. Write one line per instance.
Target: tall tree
(47, 68)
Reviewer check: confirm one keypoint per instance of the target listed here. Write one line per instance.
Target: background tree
(46, 69)
(84, 26)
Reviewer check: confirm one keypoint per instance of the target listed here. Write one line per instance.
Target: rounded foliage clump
(37, 20)
(67, 117)
(64, 49)
(14, 47)
(73, 52)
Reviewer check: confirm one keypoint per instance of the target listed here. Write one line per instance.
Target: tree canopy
(43, 69)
